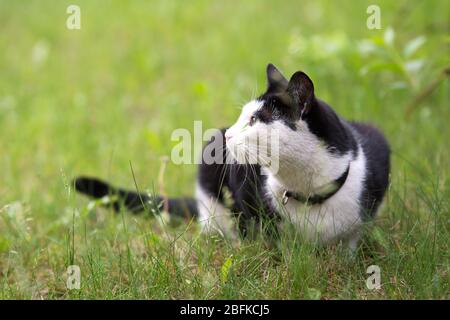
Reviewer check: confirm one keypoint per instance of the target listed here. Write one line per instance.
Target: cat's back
(377, 154)
(372, 140)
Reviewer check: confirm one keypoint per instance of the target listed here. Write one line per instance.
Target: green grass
(91, 101)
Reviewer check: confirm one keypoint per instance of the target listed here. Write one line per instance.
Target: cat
(330, 179)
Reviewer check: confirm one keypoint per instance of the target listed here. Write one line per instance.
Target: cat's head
(307, 129)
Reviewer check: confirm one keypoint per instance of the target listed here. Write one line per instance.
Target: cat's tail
(134, 201)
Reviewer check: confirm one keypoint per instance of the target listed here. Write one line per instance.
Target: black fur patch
(322, 121)
(377, 152)
(132, 200)
(273, 109)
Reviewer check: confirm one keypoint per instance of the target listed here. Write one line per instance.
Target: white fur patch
(213, 216)
(252, 143)
(305, 164)
(238, 130)
(332, 220)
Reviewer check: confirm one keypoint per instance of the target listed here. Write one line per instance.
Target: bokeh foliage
(91, 101)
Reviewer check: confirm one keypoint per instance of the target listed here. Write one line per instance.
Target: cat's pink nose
(228, 136)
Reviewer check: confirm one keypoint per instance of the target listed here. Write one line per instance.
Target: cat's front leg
(213, 216)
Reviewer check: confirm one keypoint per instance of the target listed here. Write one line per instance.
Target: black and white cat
(330, 178)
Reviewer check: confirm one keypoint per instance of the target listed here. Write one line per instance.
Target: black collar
(316, 198)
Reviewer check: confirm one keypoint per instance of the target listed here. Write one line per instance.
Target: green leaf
(381, 66)
(366, 47)
(389, 36)
(414, 65)
(413, 45)
(225, 270)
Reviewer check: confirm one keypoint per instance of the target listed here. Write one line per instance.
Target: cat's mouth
(245, 152)
(238, 151)
(234, 150)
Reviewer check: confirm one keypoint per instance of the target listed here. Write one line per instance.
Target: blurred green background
(89, 101)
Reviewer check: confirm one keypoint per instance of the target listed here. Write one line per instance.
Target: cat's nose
(228, 135)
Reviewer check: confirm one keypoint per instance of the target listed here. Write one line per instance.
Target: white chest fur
(336, 218)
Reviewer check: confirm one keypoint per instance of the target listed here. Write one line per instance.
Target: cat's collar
(319, 198)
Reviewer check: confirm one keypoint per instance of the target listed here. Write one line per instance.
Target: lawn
(105, 98)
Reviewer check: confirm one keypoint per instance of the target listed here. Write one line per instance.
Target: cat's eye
(252, 121)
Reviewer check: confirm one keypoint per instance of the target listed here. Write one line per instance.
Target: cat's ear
(275, 79)
(301, 91)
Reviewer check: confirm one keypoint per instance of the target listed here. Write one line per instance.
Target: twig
(412, 105)
(162, 191)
